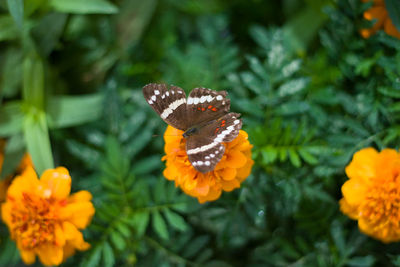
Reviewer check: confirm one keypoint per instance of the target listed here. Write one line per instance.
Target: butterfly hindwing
(203, 153)
(170, 104)
(204, 105)
(205, 148)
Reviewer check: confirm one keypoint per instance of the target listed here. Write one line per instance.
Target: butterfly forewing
(204, 149)
(204, 105)
(170, 104)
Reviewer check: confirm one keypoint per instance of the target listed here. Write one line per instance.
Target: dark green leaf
(11, 119)
(108, 255)
(175, 220)
(16, 8)
(84, 7)
(159, 225)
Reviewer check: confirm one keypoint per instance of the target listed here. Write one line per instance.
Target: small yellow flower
(379, 13)
(372, 193)
(43, 218)
(233, 169)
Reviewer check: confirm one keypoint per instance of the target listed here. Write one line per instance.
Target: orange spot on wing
(214, 109)
(203, 109)
(210, 107)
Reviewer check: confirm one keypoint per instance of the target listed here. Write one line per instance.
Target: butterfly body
(204, 117)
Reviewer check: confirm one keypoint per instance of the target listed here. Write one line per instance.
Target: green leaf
(160, 226)
(391, 92)
(294, 158)
(48, 31)
(66, 111)
(308, 157)
(393, 8)
(94, 259)
(175, 220)
(118, 240)
(16, 8)
(13, 153)
(33, 86)
(38, 142)
(11, 119)
(292, 87)
(84, 7)
(361, 261)
(140, 221)
(11, 67)
(108, 255)
(8, 29)
(269, 154)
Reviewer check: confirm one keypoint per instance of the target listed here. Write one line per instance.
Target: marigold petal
(57, 181)
(202, 188)
(26, 182)
(80, 196)
(59, 235)
(28, 256)
(50, 254)
(75, 237)
(245, 171)
(376, 12)
(230, 185)
(347, 209)
(227, 174)
(79, 213)
(235, 159)
(363, 165)
(211, 196)
(354, 191)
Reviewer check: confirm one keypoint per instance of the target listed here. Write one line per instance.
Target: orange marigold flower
(379, 13)
(372, 193)
(234, 167)
(43, 218)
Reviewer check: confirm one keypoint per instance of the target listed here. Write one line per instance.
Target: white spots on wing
(202, 99)
(167, 93)
(173, 92)
(174, 105)
(207, 157)
(163, 96)
(153, 98)
(201, 163)
(207, 163)
(156, 92)
(201, 149)
(236, 122)
(180, 92)
(212, 155)
(220, 97)
(150, 102)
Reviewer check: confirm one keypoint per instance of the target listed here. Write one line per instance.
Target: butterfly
(204, 117)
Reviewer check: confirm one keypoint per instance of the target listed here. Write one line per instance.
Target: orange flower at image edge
(43, 218)
(372, 193)
(379, 13)
(234, 167)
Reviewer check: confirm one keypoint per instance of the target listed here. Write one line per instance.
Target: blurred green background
(310, 89)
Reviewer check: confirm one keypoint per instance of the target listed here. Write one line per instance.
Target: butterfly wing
(205, 148)
(205, 105)
(170, 103)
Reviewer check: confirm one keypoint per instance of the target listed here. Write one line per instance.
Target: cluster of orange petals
(372, 193)
(234, 167)
(379, 13)
(43, 218)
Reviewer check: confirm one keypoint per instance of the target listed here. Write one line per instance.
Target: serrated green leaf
(269, 154)
(94, 258)
(307, 157)
(108, 255)
(16, 8)
(123, 229)
(195, 246)
(140, 221)
(175, 220)
(294, 158)
(66, 111)
(159, 225)
(84, 7)
(292, 87)
(117, 240)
